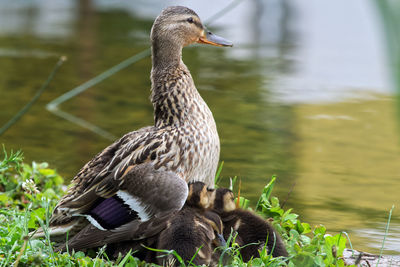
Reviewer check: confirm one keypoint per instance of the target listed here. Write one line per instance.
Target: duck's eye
(190, 20)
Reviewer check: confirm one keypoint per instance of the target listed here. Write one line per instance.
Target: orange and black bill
(212, 39)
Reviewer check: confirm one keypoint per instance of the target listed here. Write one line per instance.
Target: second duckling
(253, 232)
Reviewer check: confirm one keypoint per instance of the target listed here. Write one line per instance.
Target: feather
(134, 204)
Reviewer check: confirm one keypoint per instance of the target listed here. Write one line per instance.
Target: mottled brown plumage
(182, 146)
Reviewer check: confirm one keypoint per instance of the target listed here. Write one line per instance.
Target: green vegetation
(28, 193)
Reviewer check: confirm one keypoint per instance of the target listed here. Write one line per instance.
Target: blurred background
(308, 93)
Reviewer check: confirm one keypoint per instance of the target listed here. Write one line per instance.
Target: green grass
(28, 193)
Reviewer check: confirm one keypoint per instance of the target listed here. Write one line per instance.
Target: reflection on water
(391, 243)
(280, 108)
(348, 162)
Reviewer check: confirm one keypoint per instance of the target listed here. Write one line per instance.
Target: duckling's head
(181, 26)
(200, 196)
(224, 200)
(215, 222)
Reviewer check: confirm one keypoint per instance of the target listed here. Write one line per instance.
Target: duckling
(193, 231)
(143, 175)
(252, 230)
(200, 196)
(191, 234)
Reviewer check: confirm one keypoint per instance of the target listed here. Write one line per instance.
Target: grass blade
(217, 175)
(267, 191)
(386, 233)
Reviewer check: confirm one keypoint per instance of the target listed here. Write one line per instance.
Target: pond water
(304, 94)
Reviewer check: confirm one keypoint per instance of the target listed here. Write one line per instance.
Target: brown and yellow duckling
(253, 232)
(144, 175)
(192, 234)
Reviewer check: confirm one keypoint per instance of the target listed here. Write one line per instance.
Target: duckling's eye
(190, 20)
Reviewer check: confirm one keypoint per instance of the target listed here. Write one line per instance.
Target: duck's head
(181, 26)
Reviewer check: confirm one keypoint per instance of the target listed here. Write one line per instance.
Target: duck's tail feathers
(59, 233)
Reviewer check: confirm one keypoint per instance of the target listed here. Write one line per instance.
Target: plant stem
(34, 99)
(386, 233)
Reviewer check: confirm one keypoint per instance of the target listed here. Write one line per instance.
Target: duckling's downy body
(253, 232)
(143, 175)
(191, 233)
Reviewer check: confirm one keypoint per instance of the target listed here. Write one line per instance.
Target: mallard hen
(143, 175)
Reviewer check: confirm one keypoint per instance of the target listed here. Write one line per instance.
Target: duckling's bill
(212, 39)
(221, 240)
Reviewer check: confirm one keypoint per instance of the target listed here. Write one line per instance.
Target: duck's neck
(174, 95)
(165, 54)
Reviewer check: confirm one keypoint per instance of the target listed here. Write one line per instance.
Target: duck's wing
(91, 171)
(142, 191)
(139, 207)
(111, 174)
(131, 208)
(62, 220)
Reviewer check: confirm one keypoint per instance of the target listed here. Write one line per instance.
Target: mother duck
(143, 176)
